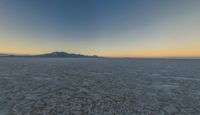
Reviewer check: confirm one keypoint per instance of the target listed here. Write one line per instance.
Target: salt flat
(75, 86)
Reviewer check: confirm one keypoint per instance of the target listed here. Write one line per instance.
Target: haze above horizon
(111, 28)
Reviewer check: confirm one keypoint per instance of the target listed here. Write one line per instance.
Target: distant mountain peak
(53, 54)
(64, 54)
(56, 54)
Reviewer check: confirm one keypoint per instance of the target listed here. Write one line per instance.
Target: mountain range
(64, 54)
(53, 54)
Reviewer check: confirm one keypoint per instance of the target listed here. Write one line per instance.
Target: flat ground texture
(62, 86)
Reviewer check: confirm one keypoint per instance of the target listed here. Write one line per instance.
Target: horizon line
(116, 57)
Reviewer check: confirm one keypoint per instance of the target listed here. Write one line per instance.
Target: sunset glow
(111, 29)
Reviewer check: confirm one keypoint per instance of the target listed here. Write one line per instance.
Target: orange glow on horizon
(154, 54)
(142, 54)
(183, 50)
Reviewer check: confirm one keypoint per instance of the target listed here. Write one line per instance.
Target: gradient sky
(114, 28)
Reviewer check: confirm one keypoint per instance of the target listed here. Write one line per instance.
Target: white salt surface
(58, 86)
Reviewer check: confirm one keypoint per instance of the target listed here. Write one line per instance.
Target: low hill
(64, 54)
(53, 54)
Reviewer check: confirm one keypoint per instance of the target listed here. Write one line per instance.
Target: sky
(112, 28)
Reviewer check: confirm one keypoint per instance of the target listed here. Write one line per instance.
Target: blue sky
(126, 28)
